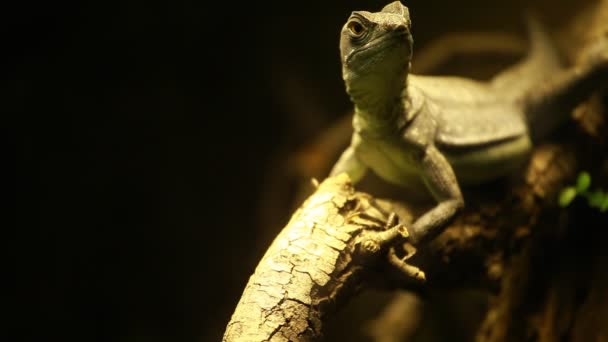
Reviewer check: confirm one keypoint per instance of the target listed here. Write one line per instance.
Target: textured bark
(545, 265)
(338, 242)
(556, 289)
(317, 261)
(324, 254)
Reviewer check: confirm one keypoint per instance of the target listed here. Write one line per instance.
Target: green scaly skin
(438, 132)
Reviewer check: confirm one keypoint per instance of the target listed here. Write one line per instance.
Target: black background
(144, 131)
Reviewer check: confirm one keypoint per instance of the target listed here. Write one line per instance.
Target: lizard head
(376, 48)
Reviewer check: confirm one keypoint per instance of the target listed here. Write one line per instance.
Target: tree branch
(330, 248)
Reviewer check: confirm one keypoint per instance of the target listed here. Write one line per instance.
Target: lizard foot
(406, 269)
(393, 223)
(370, 246)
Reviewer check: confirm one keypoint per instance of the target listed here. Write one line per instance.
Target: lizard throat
(380, 111)
(390, 119)
(386, 120)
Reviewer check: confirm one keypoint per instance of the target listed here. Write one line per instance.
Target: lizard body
(436, 132)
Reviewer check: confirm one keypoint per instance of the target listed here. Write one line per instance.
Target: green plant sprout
(596, 199)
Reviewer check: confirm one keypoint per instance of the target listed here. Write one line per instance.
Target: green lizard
(439, 132)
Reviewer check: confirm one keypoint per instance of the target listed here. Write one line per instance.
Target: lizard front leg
(350, 164)
(439, 177)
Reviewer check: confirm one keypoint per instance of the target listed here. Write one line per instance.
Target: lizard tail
(558, 90)
(541, 61)
(544, 56)
(530, 83)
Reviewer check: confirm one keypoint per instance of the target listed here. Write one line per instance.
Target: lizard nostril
(399, 28)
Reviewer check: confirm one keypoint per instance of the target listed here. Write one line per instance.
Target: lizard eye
(356, 29)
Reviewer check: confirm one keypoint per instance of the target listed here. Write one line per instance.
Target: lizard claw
(393, 223)
(370, 246)
(403, 231)
(392, 220)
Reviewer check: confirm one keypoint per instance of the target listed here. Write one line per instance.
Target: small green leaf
(566, 196)
(596, 198)
(583, 182)
(604, 206)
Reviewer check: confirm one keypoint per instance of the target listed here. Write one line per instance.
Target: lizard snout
(398, 28)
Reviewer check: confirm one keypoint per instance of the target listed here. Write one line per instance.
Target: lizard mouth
(377, 44)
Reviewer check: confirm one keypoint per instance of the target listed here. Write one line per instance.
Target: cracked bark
(323, 255)
(316, 263)
(542, 263)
